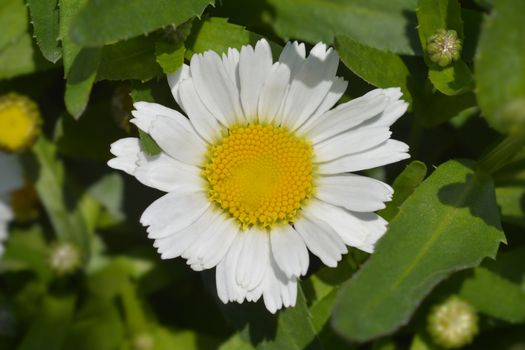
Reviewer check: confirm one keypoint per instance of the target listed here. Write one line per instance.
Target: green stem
(502, 154)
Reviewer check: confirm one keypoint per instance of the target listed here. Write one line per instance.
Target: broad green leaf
(97, 325)
(500, 67)
(170, 56)
(494, 295)
(45, 19)
(148, 144)
(511, 201)
(131, 59)
(236, 342)
(167, 339)
(80, 64)
(404, 185)
(384, 25)
(218, 35)
(18, 58)
(433, 15)
(364, 62)
(51, 325)
(451, 222)
(104, 22)
(13, 21)
(58, 198)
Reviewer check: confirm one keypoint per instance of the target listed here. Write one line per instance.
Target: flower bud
(453, 323)
(65, 258)
(20, 122)
(444, 47)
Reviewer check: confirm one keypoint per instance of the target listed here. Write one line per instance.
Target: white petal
(345, 116)
(388, 152)
(174, 212)
(201, 118)
(376, 227)
(353, 192)
(394, 109)
(178, 242)
(352, 230)
(293, 57)
(254, 66)
(289, 251)
(216, 87)
(231, 65)
(227, 287)
(167, 174)
(310, 85)
(174, 81)
(279, 291)
(253, 259)
(351, 142)
(337, 90)
(273, 92)
(127, 152)
(172, 132)
(321, 240)
(209, 249)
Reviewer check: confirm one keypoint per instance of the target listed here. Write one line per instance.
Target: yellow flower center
(260, 174)
(19, 122)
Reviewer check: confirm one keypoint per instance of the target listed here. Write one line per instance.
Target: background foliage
(85, 61)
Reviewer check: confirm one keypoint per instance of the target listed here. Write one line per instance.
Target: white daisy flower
(259, 171)
(10, 180)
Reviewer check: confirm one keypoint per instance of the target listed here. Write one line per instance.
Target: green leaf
(432, 16)
(13, 21)
(104, 22)
(51, 325)
(404, 185)
(45, 19)
(167, 339)
(494, 295)
(451, 222)
(97, 325)
(235, 342)
(511, 200)
(170, 56)
(20, 58)
(384, 25)
(58, 198)
(500, 67)
(218, 35)
(131, 59)
(452, 80)
(148, 144)
(80, 64)
(364, 62)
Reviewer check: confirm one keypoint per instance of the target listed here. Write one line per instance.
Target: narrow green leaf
(58, 198)
(148, 144)
(51, 325)
(131, 59)
(45, 19)
(19, 58)
(364, 62)
(170, 56)
(494, 295)
(500, 67)
(451, 222)
(385, 25)
(80, 64)
(104, 22)
(452, 80)
(404, 185)
(218, 35)
(13, 21)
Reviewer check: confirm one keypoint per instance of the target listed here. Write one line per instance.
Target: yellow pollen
(19, 122)
(260, 174)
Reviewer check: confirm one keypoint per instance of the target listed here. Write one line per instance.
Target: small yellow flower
(20, 122)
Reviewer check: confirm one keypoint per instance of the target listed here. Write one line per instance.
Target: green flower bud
(65, 258)
(444, 47)
(453, 323)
